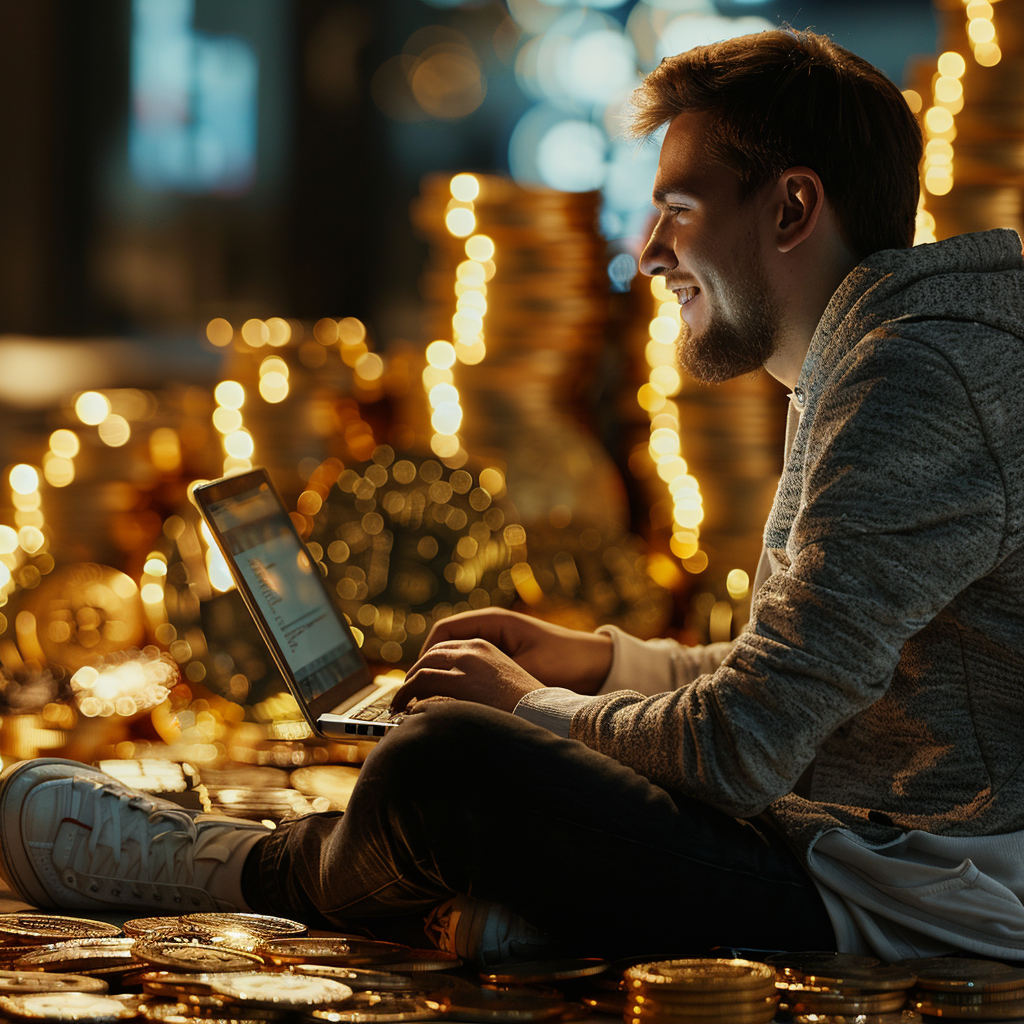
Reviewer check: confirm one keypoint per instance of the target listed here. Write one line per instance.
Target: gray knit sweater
(880, 684)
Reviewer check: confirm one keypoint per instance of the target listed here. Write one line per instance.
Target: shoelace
(124, 829)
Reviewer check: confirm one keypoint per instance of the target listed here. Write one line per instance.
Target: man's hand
(467, 670)
(553, 655)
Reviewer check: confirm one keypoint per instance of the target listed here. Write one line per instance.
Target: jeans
(462, 798)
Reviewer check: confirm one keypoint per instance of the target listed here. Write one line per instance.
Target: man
(848, 774)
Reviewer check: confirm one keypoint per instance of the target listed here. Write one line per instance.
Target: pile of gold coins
(711, 990)
(255, 967)
(826, 986)
(960, 989)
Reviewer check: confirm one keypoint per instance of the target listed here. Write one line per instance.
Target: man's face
(707, 245)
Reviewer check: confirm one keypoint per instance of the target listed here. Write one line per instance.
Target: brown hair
(784, 99)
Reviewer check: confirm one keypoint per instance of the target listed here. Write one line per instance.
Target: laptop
(285, 593)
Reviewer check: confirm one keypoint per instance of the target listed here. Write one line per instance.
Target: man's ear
(800, 198)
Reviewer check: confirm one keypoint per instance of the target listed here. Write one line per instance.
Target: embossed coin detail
(69, 1006)
(195, 956)
(263, 925)
(344, 952)
(286, 991)
(36, 928)
(695, 973)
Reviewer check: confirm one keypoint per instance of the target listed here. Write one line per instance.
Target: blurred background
(386, 248)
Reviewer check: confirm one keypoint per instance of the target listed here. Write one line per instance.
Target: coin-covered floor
(61, 966)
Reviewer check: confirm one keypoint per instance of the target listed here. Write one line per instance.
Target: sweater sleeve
(902, 507)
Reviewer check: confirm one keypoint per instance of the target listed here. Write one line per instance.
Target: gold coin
(888, 1002)
(263, 925)
(196, 956)
(539, 971)
(952, 974)
(384, 1008)
(1010, 1010)
(723, 1011)
(85, 955)
(165, 928)
(280, 991)
(41, 928)
(342, 952)
(697, 973)
(88, 1006)
(666, 996)
(21, 982)
(360, 979)
(840, 970)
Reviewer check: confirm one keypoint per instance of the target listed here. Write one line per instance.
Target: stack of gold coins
(830, 986)
(528, 341)
(962, 989)
(712, 991)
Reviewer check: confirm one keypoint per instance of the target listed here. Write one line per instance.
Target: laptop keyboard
(379, 710)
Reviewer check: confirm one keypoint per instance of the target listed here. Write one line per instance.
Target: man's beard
(731, 348)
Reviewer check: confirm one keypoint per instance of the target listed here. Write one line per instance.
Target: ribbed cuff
(551, 707)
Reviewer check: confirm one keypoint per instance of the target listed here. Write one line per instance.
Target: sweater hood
(976, 279)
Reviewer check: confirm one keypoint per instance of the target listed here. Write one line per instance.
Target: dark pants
(465, 799)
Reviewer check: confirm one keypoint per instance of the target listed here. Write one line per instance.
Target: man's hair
(783, 99)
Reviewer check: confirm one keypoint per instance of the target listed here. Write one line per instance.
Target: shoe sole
(10, 825)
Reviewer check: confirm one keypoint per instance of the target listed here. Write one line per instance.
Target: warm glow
(273, 387)
(230, 394)
(65, 443)
(256, 333)
(115, 431)
(92, 408)
(31, 539)
(370, 366)
(165, 449)
(952, 64)
(987, 54)
(914, 101)
(219, 332)
(351, 331)
(465, 188)
(273, 364)
(152, 593)
(441, 393)
(59, 472)
(8, 541)
(938, 120)
(239, 443)
(24, 479)
(444, 446)
(460, 221)
(227, 421)
(441, 354)
(664, 329)
(480, 248)
(447, 418)
(279, 331)
(737, 583)
(155, 567)
(664, 442)
(948, 90)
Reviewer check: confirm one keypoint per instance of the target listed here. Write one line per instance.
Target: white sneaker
(73, 837)
(486, 933)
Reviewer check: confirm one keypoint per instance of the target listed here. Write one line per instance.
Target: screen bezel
(217, 490)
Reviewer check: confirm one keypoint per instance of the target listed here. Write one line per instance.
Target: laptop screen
(286, 588)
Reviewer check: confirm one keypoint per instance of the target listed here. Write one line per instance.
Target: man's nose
(657, 257)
